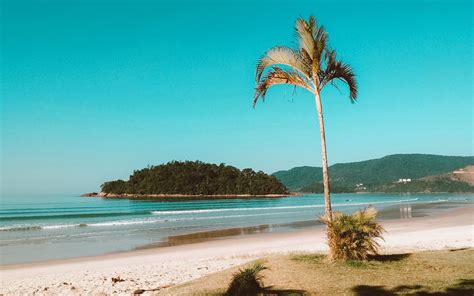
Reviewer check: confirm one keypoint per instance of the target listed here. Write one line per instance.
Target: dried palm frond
(304, 35)
(337, 70)
(280, 76)
(281, 55)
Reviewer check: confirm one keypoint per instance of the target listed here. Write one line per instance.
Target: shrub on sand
(246, 282)
(353, 237)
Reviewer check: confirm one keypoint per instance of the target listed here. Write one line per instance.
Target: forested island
(194, 179)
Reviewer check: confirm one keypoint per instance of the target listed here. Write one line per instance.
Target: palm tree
(311, 66)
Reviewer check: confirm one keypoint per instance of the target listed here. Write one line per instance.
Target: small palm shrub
(353, 237)
(246, 282)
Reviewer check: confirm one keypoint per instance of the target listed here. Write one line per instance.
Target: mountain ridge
(372, 173)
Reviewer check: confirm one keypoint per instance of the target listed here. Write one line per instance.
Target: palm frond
(312, 41)
(279, 76)
(320, 40)
(320, 37)
(248, 281)
(306, 57)
(304, 35)
(337, 70)
(282, 55)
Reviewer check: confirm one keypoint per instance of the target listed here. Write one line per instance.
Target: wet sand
(402, 211)
(157, 267)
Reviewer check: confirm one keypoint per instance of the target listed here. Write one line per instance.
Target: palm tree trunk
(327, 194)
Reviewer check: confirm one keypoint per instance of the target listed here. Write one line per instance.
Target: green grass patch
(308, 258)
(357, 264)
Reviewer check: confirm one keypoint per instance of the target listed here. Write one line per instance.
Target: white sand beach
(157, 268)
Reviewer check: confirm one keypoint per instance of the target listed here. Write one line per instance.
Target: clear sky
(92, 90)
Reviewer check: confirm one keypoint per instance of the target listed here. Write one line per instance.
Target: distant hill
(299, 177)
(460, 180)
(194, 178)
(372, 173)
(465, 175)
(440, 184)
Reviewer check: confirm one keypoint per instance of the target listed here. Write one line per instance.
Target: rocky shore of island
(178, 196)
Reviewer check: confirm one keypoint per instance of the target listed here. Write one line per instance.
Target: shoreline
(185, 196)
(151, 268)
(174, 197)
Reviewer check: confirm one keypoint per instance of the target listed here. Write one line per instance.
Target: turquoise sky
(94, 89)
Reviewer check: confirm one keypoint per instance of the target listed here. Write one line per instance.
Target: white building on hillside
(404, 181)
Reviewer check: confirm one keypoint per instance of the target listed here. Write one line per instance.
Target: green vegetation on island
(196, 178)
(382, 175)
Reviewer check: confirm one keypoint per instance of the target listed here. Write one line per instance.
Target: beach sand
(153, 268)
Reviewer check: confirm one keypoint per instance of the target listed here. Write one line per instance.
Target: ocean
(44, 227)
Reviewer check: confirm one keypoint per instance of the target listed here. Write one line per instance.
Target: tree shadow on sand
(269, 291)
(461, 288)
(389, 258)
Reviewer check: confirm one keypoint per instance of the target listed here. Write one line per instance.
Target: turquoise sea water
(43, 227)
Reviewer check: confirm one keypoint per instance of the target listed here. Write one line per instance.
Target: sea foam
(198, 211)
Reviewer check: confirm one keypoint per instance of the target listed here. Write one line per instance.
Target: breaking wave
(273, 208)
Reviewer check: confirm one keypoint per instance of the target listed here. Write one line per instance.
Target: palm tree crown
(311, 66)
